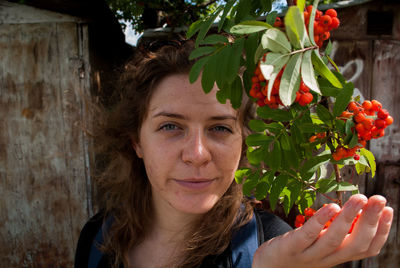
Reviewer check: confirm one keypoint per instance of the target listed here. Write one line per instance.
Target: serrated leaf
(343, 99)
(344, 186)
(249, 184)
(311, 22)
(275, 127)
(258, 139)
(312, 164)
(275, 41)
(227, 8)
(258, 54)
(196, 69)
(267, 5)
(250, 47)
(307, 72)
(323, 70)
(354, 141)
(201, 51)
(241, 173)
(248, 27)
(326, 88)
(208, 76)
(232, 65)
(324, 114)
(206, 25)
(285, 142)
(306, 200)
(276, 188)
(326, 185)
(257, 125)
(371, 160)
(275, 114)
(213, 39)
(271, 67)
(275, 161)
(294, 188)
(255, 156)
(243, 9)
(312, 128)
(271, 17)
(261, 190)
(193, 28)
(295, 29)
(290, 81)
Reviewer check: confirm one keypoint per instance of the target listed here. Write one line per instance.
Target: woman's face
(190, 144)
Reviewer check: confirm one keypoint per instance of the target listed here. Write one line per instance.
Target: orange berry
(312, 139)
(360, 117)
(389, 120)
(352, 106)
(368, 123)
(363, 143)
(341, 151)
(325, 36)
(367, 105)
(306, 14)
(360, 128)
(376, 105)
(254, 79)
(305, 99)
(304, 88)
(380, 123)
(383, 114)
(346, 114)
(319, 30)
(309, 9)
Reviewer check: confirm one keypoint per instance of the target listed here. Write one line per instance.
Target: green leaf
(301, 4)
(312, 164)
(294, 188)
(214, 39)
(343, 99)
(267, 6)
(227, 8)
(295, 29)
(353, 141)
(306, 200)
(261, 190)
(290, 82)
(275, 161)
(243, 9)
(206, 25)
(193, 28)
(371, 160)
(196, 69)
(250, 47)
(326, 185)
(257, 125)
(312, 128)
(326, 88)
(311, 23)
(250, 183)
(271, 17)
(324, 114)
(201, 51)
(241, 173)
(323, 70)
(275, 41)
(255, 156)
(232, 65)
(307, 72)
(251, 26)
(275, 128)
(276, 189)
(271, 67)
(258, 139)
(209, 71)
(285, 142)
(345, 186)
(278, 115)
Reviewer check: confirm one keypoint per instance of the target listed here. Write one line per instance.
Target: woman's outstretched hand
(313, 246)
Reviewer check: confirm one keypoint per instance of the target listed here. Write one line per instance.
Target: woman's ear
(138, 149)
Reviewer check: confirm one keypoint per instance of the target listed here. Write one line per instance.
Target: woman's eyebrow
(180, 116)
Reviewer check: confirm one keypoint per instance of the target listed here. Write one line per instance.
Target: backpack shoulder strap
(244, 244)
(96, 255)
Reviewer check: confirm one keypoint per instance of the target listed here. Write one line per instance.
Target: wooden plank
(386, 89)
(43, 176)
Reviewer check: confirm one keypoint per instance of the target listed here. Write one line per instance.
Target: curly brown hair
(122, 185)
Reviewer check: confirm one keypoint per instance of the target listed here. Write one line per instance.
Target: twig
(339, 194)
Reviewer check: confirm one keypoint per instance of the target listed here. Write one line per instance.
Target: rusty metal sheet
(43, 152)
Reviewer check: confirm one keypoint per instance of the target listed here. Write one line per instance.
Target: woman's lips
(195, 184)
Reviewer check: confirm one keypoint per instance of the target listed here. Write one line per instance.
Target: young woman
(168, 190)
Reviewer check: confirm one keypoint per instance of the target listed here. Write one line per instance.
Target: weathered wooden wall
(44, 160)
(367, 47)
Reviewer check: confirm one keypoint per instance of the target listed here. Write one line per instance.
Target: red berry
(383, 113)
(356, 157)
(326, 20)
(376, 105)
(367, 105)
(389, 120)
(335, 23)
(380, 123)
(331, 12)
(305, 98)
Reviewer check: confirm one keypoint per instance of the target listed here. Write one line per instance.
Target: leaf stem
(303, 50)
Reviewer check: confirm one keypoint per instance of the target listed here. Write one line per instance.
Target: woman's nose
(196, 150)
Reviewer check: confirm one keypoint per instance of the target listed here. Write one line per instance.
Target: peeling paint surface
(43, 181)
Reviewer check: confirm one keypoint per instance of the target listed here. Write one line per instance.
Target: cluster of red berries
(309, 212)
(370, 122)
(323, 23)
(259, 91)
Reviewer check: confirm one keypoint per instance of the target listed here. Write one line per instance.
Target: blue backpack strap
(95, 253)
(244, 244)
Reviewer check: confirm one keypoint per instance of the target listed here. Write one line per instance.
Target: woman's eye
(222, 129)
(169, 127)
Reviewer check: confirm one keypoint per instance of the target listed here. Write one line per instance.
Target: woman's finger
(334, 236)
(306, 235)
